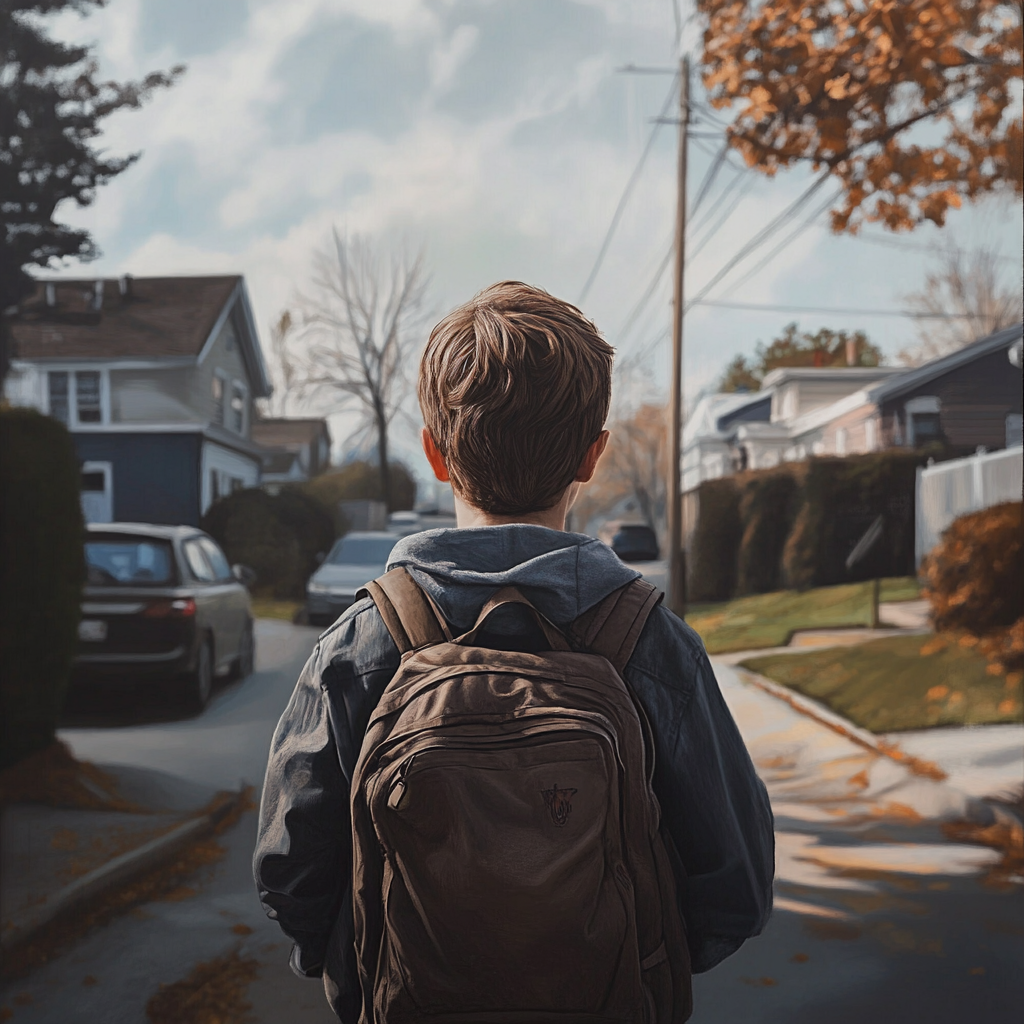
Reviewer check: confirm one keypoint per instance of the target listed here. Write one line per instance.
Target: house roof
(134, 318)
(283, 433)
(865, 374)
(704, 420)
(938, 367)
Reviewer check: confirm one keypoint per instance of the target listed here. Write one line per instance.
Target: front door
(97, 494)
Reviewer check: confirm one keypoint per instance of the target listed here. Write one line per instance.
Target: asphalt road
(863, 930)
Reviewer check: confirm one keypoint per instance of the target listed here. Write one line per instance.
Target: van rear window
(112, 561)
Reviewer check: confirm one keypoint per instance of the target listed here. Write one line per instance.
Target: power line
(624, 198)
(768, 308)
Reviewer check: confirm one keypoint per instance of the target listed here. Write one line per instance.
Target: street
(878, 915)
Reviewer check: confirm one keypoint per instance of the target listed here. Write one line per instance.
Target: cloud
(450, 55)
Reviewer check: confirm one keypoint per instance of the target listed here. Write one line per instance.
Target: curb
(120, 869)
(829, 718)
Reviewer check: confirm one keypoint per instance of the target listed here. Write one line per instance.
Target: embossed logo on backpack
(559, 803)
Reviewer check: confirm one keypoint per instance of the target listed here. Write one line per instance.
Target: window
(216, 558)
(197, 561)
(925, 427)
(58, 395)
(1014, 429)
(217, 388)
(119, 560)
(87, 390)
(238, 407)
(76, 397)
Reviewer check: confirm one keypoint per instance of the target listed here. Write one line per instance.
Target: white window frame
(72, 370)
(225, 397)
(242, 429)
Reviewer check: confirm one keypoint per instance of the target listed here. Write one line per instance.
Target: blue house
(155, 378)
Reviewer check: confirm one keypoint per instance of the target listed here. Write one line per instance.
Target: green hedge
(360, 481)
(715, 541)
(278, 536)
(768, 507)
(41, 572)
(840, 499)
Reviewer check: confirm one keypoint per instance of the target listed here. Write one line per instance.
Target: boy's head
(514, 387)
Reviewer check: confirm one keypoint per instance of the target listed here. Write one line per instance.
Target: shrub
(278, 536)
(841, 498)
(715, 542)
(361, 480)
(973, 577)
(767, 509)
(41, 571)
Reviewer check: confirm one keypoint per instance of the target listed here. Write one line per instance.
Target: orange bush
(974, 578)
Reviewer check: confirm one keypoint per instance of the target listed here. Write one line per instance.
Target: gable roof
(135, 318)
(283, 433)
(944, 364)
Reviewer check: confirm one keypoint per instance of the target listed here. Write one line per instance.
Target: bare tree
(284, 368)
(968, 300)
(360, 325)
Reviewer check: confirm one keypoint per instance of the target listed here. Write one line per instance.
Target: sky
(496, 135)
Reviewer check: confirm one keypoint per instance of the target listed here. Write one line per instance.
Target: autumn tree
(360, 322)
(284, 368)
(964, 298)
(800, 348)
(634, 465)
(842, 85)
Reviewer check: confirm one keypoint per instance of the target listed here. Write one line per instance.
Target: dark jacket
(713, 804)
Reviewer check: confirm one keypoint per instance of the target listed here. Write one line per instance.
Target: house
(155, 378)
(968, 399)
(294, 449)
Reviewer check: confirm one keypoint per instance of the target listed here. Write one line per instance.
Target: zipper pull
(397, 794)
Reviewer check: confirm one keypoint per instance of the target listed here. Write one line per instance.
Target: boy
(514, 388)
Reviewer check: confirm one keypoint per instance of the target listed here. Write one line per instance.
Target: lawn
(900, 682)
(268, 608)
(769, 620)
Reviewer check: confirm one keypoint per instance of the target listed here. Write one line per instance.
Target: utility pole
(677, 553)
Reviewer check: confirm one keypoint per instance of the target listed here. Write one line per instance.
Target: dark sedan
(162, 603)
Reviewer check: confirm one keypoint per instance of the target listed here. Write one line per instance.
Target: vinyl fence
(951, 489)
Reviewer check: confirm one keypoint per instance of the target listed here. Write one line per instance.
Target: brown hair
(514, 388)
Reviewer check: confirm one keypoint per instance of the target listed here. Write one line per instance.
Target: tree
(51, 106)
(284, 369)
(842, 85)
(968, 301)
(800, 348)
(635, 464)
(359, 326)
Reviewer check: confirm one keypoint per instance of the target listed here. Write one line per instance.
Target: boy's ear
(594, 452)
(434, 457)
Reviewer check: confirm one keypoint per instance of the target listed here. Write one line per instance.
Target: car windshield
(361, 551)
(128, 561)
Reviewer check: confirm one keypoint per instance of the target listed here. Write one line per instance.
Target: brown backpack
(508, 864)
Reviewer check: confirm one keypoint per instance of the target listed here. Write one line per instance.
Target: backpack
(508, 861)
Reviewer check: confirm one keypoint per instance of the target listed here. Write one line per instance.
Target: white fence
(950, 489)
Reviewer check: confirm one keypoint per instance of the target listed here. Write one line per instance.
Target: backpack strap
(613, 626)
(505, 597)
(412, 618)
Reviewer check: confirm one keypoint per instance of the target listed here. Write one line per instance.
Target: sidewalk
(54, 859)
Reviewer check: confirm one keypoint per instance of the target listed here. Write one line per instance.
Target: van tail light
(181, 609)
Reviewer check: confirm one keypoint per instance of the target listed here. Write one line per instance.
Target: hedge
(361, 480)
(42, 566)
(715, 541)
(278, 536)
(974, 578)
(841, 498)
(768, 506)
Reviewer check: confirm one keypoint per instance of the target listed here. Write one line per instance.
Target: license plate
(92, 629)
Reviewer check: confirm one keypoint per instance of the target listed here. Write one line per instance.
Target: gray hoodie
(713, 804)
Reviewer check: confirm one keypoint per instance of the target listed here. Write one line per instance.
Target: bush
(767, 509)
(278, 536)
(973, 577)
(42, 566)
(361, 481)
(716, 538)
(841, 498)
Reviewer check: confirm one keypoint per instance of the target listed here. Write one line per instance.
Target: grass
(268, 608)
(901, 682)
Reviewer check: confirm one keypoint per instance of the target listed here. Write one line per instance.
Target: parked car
(354, 560)
(632, 542)
(162, 603)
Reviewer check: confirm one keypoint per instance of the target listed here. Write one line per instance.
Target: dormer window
(238, 396)
(217, 392)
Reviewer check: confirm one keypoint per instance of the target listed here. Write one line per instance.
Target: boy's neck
(553, 518)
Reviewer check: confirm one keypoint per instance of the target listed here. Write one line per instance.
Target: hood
(562, 574)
